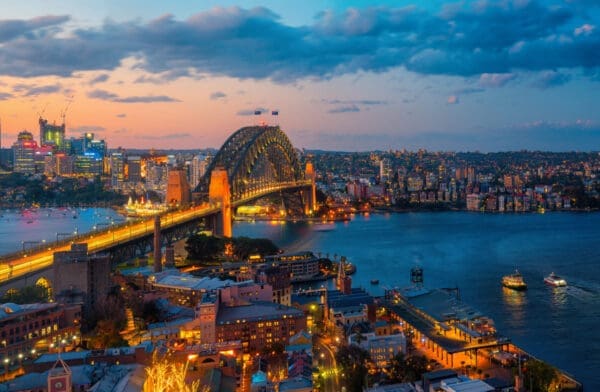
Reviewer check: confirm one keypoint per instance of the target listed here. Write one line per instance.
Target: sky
(344, 75)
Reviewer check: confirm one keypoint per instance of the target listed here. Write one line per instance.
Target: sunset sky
(344, 75)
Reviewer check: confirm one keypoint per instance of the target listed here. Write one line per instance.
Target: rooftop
(255, 311)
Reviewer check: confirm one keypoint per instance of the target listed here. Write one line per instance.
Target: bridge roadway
(21, 264)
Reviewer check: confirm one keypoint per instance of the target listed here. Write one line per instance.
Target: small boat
(514, 281)
(374, 281)
(555, 280)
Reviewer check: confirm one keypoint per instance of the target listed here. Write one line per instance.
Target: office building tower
(117, 169)
(52, 135)
(24, 153)
(198, 169)
(134, 168)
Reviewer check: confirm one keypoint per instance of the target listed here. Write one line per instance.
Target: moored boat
(555, 280)
(514, 281)
(374, 281)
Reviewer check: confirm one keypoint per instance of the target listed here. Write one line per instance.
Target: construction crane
(63, 114)
(41, 112)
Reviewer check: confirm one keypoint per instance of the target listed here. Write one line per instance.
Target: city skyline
(503, 75)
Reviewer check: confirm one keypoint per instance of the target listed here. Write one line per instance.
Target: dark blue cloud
(5, 96)
(108, 96)
(99, 79)
(28, 90)
(471, 38)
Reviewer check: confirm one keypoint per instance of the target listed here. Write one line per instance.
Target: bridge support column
(310, 201)
(157, 245)
(218, 192)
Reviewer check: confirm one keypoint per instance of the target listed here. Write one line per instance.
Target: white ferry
(555, 280)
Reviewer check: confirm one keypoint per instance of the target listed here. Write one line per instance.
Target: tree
(408, 369)
(353, 361)
(538, 375)
(165, 375)
(204, 248)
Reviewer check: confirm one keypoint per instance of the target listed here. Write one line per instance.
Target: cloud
(108, 96)
(495, 79)
(585, 29)
(465, 39)
(31, 28)
(88, 128)
(121, 115)
(29, 90)
(452, 100)
(549, 79)
(99, 79)
(344, 109)
(217, 95)
(250, 112)
(5, 96)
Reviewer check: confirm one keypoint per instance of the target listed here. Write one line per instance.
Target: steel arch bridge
(255, 157)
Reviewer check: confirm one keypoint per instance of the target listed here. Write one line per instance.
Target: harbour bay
(471, 251)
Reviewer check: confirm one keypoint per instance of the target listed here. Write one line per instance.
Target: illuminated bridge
(253, 163)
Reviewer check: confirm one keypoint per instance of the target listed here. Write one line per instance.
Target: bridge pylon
(219, 192)
(310, 201)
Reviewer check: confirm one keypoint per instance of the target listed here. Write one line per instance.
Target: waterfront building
(24, 153)
(302, 266)
(473, 201)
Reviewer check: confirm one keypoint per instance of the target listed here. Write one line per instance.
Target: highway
(23, 263)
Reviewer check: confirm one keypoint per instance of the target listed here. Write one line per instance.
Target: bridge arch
(253, 156)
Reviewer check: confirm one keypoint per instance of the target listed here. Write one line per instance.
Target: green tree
(353, 361)
(202, 247)
(407, 369)
(538, 375)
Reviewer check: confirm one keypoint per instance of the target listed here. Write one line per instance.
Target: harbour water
(471, 251)
(23, 229)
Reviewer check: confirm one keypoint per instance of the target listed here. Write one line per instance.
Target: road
(327, 367)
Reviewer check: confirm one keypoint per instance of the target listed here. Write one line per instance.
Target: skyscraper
(24, 153)
(52, 135)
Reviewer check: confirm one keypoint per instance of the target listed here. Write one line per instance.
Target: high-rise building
(52, 135)
(198, 169)
(117, 169)
(24, 153)
(134, 168)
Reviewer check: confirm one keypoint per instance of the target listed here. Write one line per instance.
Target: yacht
(514, 281)
(555, 280)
